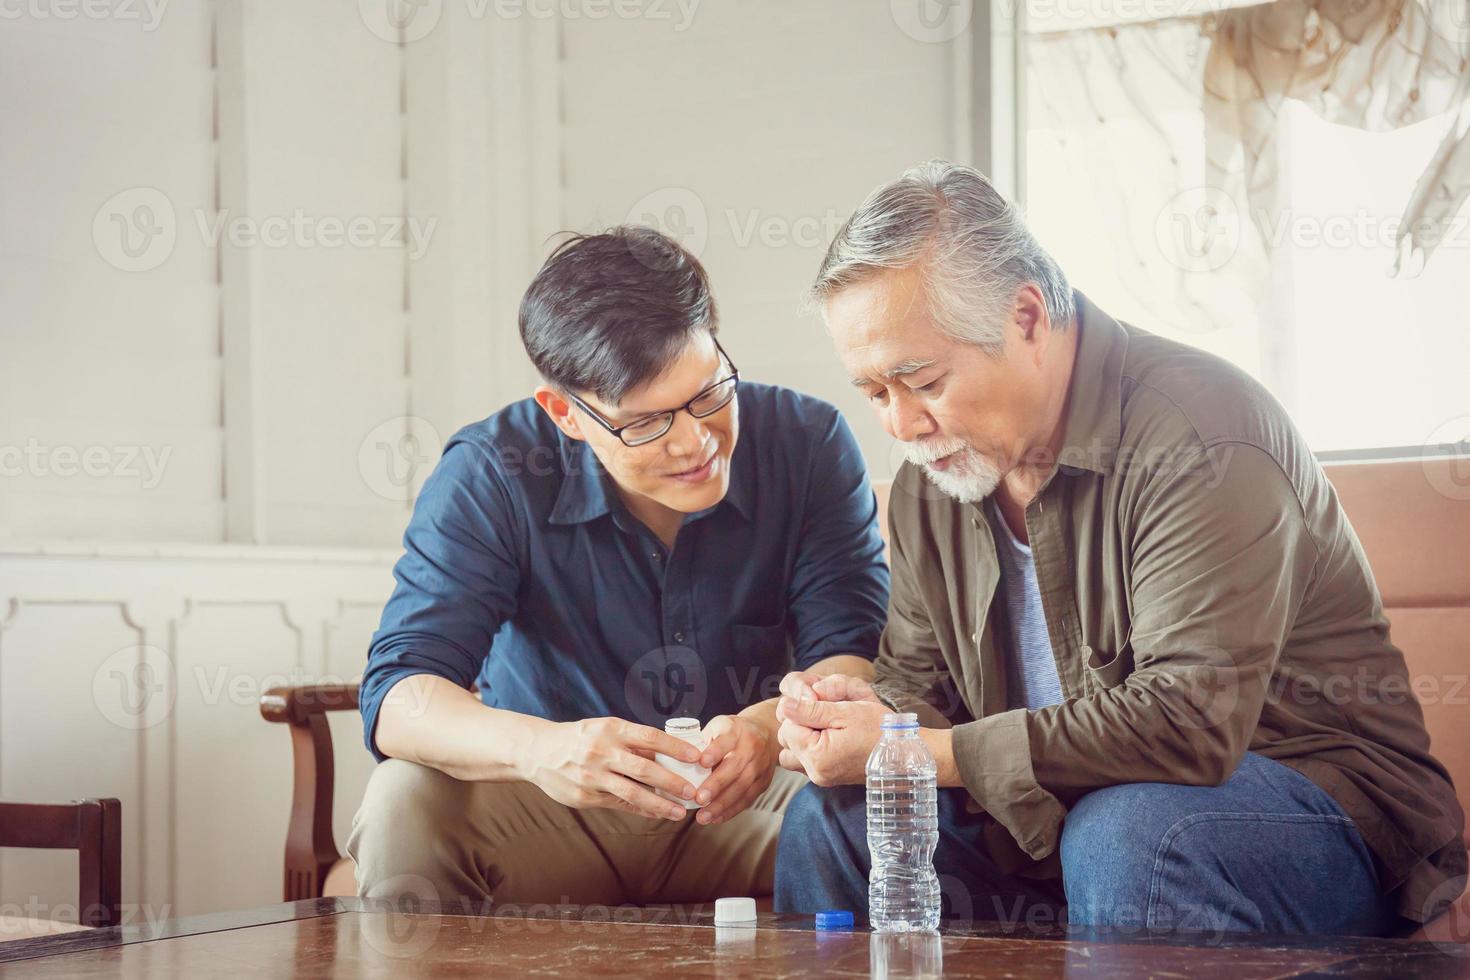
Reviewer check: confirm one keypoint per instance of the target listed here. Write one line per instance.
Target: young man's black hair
(609, 312)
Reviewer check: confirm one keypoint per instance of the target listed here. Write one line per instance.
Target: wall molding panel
(135, 672)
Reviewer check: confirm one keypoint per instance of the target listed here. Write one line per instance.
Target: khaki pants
(422, 833)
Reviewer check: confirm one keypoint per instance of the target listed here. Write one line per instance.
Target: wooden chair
(92, 828)
(314, 865)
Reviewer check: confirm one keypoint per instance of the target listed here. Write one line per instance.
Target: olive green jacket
(1205, 596)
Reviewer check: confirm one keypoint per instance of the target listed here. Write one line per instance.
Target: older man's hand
(830, 741)
(804, 685)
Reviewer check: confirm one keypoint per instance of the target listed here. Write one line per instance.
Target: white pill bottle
(687, 729)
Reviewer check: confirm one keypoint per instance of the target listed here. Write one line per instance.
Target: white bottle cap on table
(733, 911)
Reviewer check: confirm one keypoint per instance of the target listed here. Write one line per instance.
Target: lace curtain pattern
(1176, 123)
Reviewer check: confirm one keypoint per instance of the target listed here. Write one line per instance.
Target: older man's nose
(908, 421)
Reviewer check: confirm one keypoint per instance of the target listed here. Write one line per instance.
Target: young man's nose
(688, 437)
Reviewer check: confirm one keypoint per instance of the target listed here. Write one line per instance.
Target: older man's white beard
(968, 478)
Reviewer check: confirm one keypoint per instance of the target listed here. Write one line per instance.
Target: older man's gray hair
(970, 244)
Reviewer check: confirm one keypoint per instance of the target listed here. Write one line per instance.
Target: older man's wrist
(940, 742)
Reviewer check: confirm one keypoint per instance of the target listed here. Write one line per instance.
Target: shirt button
(657, 557)
(974, 637)
(678, 637)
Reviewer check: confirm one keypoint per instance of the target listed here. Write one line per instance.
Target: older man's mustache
(924, 453)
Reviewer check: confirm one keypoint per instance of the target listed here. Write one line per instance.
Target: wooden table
(351, 937)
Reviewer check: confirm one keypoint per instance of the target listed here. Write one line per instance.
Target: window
(1365, 361)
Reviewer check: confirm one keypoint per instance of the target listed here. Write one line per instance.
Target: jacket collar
(1094, 416)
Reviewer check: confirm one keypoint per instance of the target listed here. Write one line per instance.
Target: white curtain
(1175, 121)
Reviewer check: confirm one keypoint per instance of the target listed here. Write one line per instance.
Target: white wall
(245, 252)
(282, 378)
(95, 358)
(751, 135)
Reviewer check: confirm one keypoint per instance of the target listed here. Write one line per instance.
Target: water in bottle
(903, 830)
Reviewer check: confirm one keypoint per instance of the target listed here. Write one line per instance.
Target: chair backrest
(92, 828)
(1413, 518)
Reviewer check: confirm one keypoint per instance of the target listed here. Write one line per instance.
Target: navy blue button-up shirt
(523, 571)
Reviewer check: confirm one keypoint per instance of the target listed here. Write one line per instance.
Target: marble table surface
(353, 937)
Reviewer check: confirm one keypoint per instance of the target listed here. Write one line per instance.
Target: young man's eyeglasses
(640, 432)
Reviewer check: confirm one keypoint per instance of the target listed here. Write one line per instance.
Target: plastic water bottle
(903, 830)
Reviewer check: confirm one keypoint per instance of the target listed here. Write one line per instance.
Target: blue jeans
(1267, 851)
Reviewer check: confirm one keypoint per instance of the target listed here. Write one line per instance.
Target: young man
(1143, 639)
(646, 537)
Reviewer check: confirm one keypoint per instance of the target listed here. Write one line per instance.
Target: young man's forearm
(433, 721)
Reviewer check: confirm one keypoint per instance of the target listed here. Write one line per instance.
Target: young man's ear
(559, 410)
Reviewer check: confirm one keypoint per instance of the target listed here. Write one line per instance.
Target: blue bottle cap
(834, 919)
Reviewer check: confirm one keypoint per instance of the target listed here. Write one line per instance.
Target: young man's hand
(830, 741)
(608, 762)
(742, 756)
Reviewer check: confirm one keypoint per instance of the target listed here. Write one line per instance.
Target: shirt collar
(1094, 420)
(585, 494)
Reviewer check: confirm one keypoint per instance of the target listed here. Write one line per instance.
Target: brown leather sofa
(1413, 518)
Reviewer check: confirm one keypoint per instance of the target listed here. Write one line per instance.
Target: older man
(1135, 621)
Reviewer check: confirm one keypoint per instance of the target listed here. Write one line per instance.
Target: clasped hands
(829, 726)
